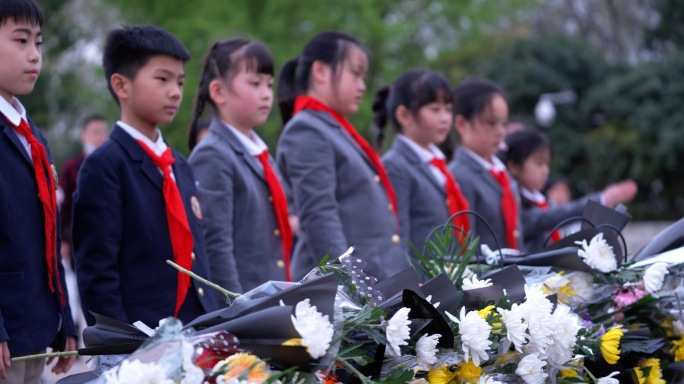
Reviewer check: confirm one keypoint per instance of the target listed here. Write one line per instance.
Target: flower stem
(224, 291)
(355, 371)
(48, 355)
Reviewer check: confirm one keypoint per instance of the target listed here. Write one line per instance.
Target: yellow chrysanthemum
(468, 372)
(667, 326)
(293, 342)
(443, 374)
(610, 341)
(559, 285)
(568, 373)
(677, 349)
(655, 375)
(241, 362)
(484, 313)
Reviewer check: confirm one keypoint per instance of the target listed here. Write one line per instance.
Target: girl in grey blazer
(418, 105)
(340, 189)
(247, 244)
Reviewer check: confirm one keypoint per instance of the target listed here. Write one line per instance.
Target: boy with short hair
(34, 313)
(135, 204)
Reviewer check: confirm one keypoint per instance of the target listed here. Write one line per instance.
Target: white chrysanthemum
(314, 327)
(429, 300)
(598, 254)
(137, 372)
(516, 328)
(488, 380)
(609, 379)
(582, 283)
(531, 369)
(398, 331)
(473, 283)
(678, 327)
(563, 335)
(474, 332)
(426, 350)
(536, 311)
(192, 374)
(654, 276)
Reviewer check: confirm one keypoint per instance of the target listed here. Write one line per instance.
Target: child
(341, 191)
(418, 104)
(135, 205)
(34, 311)
(480, 115)
(528, 158)
(246, 219)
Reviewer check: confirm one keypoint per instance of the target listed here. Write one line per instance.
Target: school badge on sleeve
(54, 174)
(196, 208)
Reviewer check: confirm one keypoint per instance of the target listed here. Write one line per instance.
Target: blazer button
(276, 232)
(516, 233)
(396, 239)
(192, 256)
(200, 291)
(446, 201)
(390, 207)
(270, 199)
(376, 178)
(280, 264)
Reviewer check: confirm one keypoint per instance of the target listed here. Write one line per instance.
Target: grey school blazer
(484, 197)
(420, 197)
(537, 222)
(338, 196)
(239, 222)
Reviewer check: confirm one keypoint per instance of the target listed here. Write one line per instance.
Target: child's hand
(619, 193)
(64, 363)
(4, 359)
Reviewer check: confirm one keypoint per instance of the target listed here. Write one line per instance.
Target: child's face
(534, 172)
(22, 58)
(430, 125)
(155, 94)
(350, 83)
(484, 133)
(248, 99)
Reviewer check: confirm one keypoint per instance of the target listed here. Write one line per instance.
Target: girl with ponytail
(340, 188)
(244, 208)
(418, 106)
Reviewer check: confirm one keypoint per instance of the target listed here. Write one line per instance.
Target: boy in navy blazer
(34, 311)
(135, 204)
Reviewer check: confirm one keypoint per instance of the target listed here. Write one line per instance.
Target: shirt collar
(425, 155)
(14, 112)
(158, 146)
(495, 164)
(534, 196)
(252, 143)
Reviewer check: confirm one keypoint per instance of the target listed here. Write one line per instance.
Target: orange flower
(242, 362)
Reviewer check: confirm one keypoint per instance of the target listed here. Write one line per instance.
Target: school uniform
(240, 227)
(538, 221)
(484, 195)
(420, 189)
(121, 234)
(339, 197)
(32, 316)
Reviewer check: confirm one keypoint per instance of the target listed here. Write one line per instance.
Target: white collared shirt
(426, 156)
(157, 147)
(533, 196)
(253, 143)
(15, 112)
(493, 164)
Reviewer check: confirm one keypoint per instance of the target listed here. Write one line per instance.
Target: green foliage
(445, 254)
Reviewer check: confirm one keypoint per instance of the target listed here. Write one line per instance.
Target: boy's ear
(120, 86)
(514, 168)
(217, 92)
(320, 72)
(403, 115)
(460, 123)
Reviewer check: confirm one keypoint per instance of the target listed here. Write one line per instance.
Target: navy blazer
(484, 194)
(420, 196)
(29, 313)
(121, 236)
(338, 196)
(240, 226)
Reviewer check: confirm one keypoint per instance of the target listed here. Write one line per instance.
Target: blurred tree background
(624, 59)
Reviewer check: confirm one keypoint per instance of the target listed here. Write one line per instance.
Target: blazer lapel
(414, 159)
(467, 160)
(240, 150)
(138, 155)
(12, 136)
(326, 117)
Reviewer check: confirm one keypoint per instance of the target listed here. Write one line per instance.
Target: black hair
(330, 47)
(129, 48)
(83, 123)
(413, 89)
(522, 144)
(200, 126)
(473, 95)
(21, 10)
(223, 61)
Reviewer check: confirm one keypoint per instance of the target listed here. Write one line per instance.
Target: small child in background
(418, 105)
(528, 159)
(480, 116)
(249, 239)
